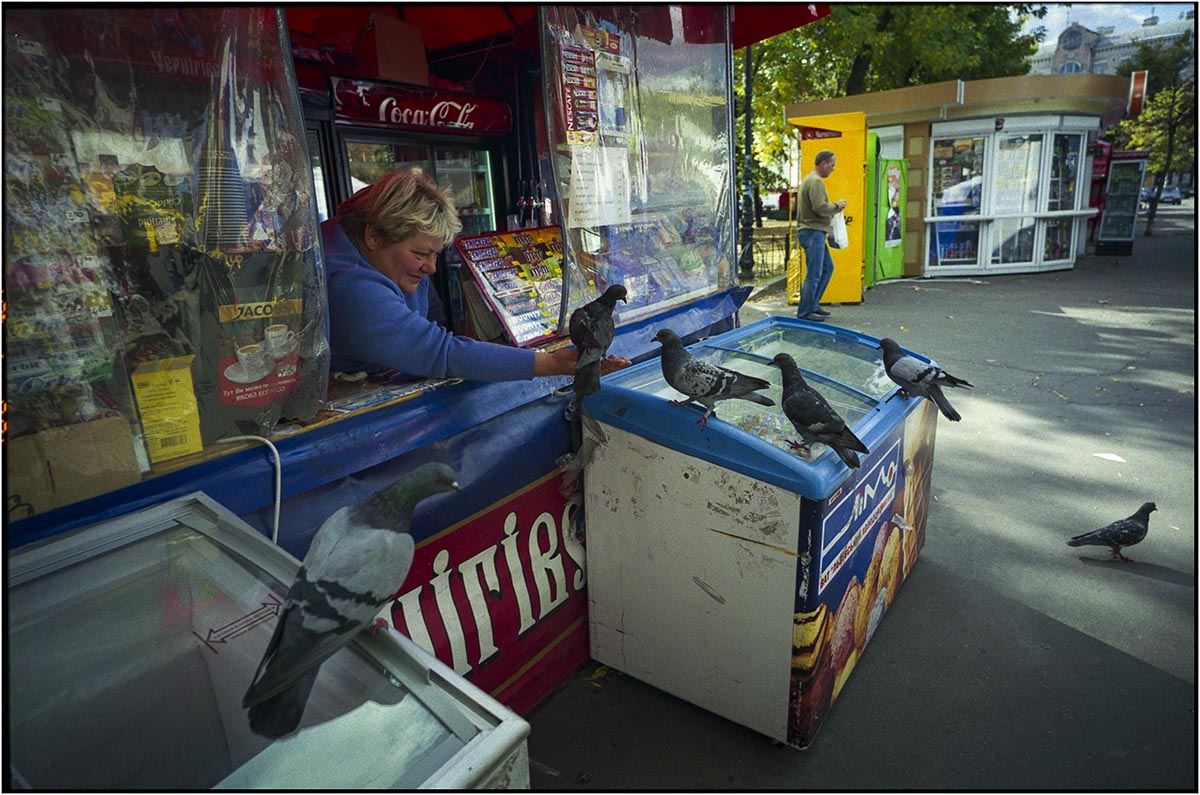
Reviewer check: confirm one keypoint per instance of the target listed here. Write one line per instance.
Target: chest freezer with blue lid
(130, 645)
(726, 568)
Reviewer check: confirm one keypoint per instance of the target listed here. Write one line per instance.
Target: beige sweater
(813, 208)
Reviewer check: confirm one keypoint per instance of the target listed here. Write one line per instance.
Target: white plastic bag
(837, 234)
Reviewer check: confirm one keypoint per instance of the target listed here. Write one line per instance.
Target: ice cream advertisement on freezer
(872, 530)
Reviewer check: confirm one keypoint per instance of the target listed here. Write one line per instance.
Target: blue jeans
(818, 270)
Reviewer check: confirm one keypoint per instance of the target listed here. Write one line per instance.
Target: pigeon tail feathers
(280, 714)
(945, 379)
(849, 457)
(587, 380)
(935, 394)
(754, 397)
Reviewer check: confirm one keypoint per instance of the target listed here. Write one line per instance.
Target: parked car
(1170, 195)
(1187, 193)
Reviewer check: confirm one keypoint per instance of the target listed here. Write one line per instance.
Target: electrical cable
(278, 476)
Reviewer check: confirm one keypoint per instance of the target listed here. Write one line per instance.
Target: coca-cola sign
(377, 104)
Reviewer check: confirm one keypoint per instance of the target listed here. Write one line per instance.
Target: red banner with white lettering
(500, 597)
(815, 133)
(376, 104)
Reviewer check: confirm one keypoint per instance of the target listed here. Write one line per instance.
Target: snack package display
(153, 226)
(520, 275)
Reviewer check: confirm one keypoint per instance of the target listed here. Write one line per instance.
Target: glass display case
(1121, 203)
(1015, 189)
(957, 184)
(132, 642)
(1021, 185)
(641, 159)
(1062, 194)
(160, 259)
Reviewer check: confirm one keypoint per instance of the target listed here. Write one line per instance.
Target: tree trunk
(857, 81)
(1172, 123)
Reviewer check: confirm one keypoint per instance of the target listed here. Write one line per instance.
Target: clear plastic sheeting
(130, 647)
(641, 156)
(160, 255)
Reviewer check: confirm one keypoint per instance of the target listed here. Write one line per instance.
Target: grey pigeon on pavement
(915, 377)
(1121, 533)
(702, 382)
(357, 561)
(592, 332)
(814, 419)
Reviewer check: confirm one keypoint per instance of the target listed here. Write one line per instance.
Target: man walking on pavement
(814, 212)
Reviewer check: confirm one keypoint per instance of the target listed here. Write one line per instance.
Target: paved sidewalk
(1008, 660)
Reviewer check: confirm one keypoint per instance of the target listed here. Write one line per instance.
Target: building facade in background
(1079, 50)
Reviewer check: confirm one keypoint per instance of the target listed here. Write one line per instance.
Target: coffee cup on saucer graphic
(279, 340)
(253, 364)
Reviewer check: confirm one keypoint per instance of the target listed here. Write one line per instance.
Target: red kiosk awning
(448, 25)
(753, 22)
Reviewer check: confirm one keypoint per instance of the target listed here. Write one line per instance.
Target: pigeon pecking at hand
(814, 419)
(1121, 533)
(915, 377)
(358, 559)
(702, 382)
(592, 332)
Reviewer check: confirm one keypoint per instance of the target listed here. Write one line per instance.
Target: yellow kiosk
(844, 134)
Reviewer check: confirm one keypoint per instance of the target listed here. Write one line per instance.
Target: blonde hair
(398, 205)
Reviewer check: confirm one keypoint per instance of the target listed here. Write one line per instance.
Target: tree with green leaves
(1166, 127)
(863, 48)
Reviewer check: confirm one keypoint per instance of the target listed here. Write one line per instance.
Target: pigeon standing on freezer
(915, 377)
(592, 332)
(702, 382)
(357, 561)
(814, 419)
(1121, 533)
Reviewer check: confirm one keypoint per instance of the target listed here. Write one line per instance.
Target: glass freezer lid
(130, 647)
(850, 376)
(846, 367)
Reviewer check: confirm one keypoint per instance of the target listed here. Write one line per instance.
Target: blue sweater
(374, 326)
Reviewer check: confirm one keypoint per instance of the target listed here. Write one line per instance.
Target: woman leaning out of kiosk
(380, 249)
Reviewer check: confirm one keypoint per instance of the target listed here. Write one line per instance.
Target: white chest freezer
(730, 571)
(130, 645)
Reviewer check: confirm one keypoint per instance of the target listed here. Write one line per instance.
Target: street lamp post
(746, 259)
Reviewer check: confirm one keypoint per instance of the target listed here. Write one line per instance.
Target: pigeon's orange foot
(378, 624)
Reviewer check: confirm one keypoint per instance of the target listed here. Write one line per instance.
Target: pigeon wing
(910, 372)
(735, 384)
(592, 327)
(700, 379)
(1125, 532)
(352, 574)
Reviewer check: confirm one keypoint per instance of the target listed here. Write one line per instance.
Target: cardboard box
(382, 46)
(61, 466)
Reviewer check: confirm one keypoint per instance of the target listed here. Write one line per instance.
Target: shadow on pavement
(1151, 570)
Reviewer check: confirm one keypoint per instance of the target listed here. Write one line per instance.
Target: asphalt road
(1008, 660)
